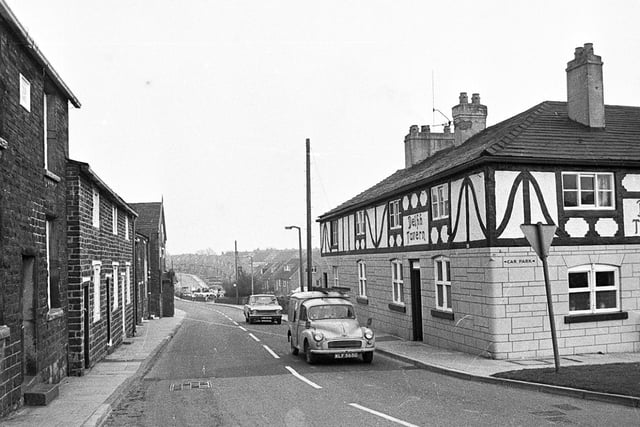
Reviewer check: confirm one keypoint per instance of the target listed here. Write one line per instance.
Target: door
(124, 308)
(86, 314)
(29, 354)
(109, 279)
(416, 300)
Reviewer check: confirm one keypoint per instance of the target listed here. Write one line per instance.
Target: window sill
(596, 317)
(447, 315)
(398, 306)
(360, 299)
(52, 176)
(54, 313)
(5, 332)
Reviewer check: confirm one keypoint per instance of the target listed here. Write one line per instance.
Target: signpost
(539, 237)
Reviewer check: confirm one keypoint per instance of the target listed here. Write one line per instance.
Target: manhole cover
(190, 385)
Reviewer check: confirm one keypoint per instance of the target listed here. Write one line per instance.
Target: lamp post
(236, 287)
(289, 227)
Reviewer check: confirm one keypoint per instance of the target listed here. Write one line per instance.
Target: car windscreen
(264, 300)
(321, 312)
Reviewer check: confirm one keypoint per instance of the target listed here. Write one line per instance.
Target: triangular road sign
(539, 236)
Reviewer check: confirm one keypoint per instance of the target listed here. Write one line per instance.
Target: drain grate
(190, 385)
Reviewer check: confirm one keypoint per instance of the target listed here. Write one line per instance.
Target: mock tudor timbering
(435, 251)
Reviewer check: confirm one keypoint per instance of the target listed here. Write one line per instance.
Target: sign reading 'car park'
(520, 261)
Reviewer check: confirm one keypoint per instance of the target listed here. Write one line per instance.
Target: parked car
(262, 307)
(325, 324)
(203, 294)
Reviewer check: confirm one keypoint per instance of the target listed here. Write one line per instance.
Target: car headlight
(278, 311)
(252, 311)
(368, 334)
(318, 336)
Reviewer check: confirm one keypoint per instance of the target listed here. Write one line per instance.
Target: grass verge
(616, 378)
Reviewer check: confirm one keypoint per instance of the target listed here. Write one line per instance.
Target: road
(218, 370)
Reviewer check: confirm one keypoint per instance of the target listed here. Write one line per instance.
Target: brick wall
(89, 244)
(29, 197)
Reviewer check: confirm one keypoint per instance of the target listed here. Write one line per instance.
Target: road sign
(539, 236)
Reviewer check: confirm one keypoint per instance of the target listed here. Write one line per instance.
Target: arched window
(594, 288)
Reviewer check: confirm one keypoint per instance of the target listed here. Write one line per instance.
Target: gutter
(30, 44)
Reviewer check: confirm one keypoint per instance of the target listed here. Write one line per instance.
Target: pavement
(88, 400)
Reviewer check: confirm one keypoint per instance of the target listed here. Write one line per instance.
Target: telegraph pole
(308, 216)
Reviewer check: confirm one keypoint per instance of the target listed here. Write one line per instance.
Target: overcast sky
(207, 104)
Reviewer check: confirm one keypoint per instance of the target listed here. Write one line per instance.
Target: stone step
(41, 394)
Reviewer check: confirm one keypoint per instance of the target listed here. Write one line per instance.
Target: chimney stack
(468, 119)
(585, 99)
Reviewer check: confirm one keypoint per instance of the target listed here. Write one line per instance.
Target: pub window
(394, 214)
(581, 190)
(359, 223)
(594, 288)
(440, 202)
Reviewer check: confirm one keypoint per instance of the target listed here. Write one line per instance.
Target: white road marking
(271, 352)
(301, 378)
(242, 328)
(236, 323)
(254, 337)
(381, 415)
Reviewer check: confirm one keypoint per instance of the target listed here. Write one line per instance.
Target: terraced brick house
(151, 225)
(34, 145)
(435, 252)
(101, 288)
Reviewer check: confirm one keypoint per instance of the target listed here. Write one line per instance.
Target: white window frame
(96, 266)
(362, 278)
(114, 219)
(360, 226)
(397, 281)
(597, 202)
(333, 230)
(116, 284)
(394, 214)
(95, 210)
(46, 130)
(336, 279)
(126, 227)
(442, 279)
(127, 281)
(25, 93)
(592, 269)
(440, 202)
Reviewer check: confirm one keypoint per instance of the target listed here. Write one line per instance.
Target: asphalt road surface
(220, 371)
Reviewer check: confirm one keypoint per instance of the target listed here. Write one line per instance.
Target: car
(263, 307)
(324, 324)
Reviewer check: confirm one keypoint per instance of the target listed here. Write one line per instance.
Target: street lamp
(236, 287)
(289, 227)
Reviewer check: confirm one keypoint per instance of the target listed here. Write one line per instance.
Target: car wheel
(294, 349)
(310, 357)
(367, 357)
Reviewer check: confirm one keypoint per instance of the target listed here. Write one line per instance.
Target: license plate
(345, 356)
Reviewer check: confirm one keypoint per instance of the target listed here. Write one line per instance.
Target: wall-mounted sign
(415, 229)
(520, 261)
(631, 217)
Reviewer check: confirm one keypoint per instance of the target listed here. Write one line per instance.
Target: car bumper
(265, 318)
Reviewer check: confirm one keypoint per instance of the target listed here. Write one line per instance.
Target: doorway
(108, 310)
(86, 323)
(29, 353)
(416, 300)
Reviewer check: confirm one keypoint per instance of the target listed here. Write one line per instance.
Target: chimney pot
(585, 99)
(425, 129)
(463, 98)
(475, 98)
(413, 129)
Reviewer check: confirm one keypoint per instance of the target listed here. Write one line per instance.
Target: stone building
(102, 309)
(151, 224)
(33, 225)
(435, 251)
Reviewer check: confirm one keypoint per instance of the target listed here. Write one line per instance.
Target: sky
(206, 105)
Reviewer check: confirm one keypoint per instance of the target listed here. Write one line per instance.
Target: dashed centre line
(382, 415)
(254, 337)
(303, 379)
(275, 356)
(242, 328)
